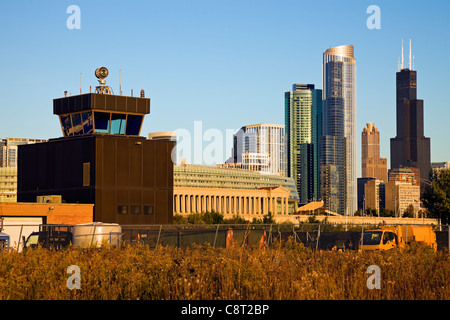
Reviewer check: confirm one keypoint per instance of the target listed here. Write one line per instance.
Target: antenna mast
(120, 82)
(410, 54)
(401, 66)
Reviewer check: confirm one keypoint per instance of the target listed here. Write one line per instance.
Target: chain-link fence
(312, 235)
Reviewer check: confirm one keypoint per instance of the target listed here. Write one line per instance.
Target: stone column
(245, 205)
(265, 206)
(286, 204)
(274, 205)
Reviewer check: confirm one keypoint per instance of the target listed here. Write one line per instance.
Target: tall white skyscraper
(338, 181)
(261, 147)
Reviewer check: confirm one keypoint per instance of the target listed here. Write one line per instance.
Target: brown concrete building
(374, 195)
(372, 165)
(102, 160)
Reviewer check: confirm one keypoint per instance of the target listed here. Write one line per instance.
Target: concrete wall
(52, 213)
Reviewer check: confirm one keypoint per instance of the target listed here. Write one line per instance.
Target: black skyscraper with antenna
(410, 148)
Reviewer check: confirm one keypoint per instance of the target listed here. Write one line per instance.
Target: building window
(66, 125)
(135, 209)
(133, 125)
(148, 210)
(118, 123)
(87, 122)
(101, 121)
(122, 209)
(77, 124)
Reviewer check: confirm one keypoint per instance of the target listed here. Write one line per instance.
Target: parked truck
(4, 241)
(389, 237)
(80, 235)
(49, 237)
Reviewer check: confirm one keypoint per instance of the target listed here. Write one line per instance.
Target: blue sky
(225, 63)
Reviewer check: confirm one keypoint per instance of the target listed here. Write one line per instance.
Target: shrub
(286, 270)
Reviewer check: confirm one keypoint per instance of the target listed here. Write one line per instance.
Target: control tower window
(133, 124)
(87, 122)
(76, 124)
(101, 120)
(90, 122)
(66, 125)
(118, 123)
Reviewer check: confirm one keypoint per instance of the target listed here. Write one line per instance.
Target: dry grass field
(288, 271)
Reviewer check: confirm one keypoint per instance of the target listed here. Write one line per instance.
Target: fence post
(159, 234)
(318, 236)
(215, 237)
(270, 234)
(362, 237)
(448, 231)
(20, 237)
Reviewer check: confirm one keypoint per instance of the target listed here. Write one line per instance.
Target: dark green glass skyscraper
(303, 125)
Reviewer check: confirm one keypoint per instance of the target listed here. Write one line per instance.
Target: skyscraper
(371, 163)
(303, 122)
(261, 147)
(410, 148)
(338, 144)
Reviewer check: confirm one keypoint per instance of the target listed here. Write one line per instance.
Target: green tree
(209, 217)
(236, 219)
(179, 219)
(409, 212)
(436, 197)
(386, 212)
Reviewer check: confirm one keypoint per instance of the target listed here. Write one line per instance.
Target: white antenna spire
(410, 54)
(401, 66)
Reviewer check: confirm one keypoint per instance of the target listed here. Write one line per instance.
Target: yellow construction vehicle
(389, 237)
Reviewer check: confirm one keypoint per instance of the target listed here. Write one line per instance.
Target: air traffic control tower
(102, 160)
